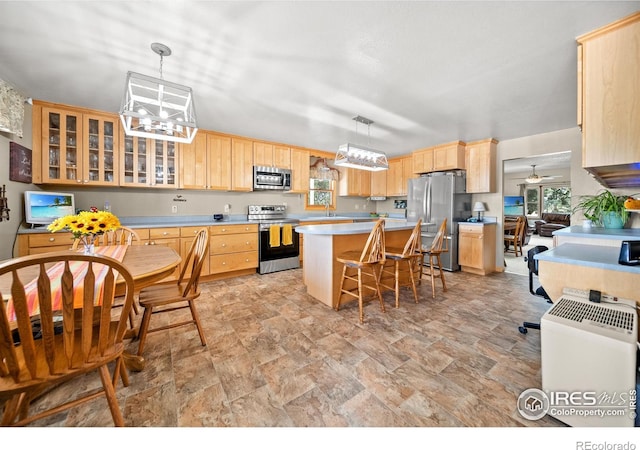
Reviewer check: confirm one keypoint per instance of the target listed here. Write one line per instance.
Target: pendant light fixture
(158, 109)
(534, 177)
(360, 157)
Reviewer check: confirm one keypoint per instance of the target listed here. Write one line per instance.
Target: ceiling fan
(534, 178)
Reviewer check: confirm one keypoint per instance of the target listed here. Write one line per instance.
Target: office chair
(532, 264)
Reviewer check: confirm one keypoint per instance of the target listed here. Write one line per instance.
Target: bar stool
(410, 254)
(438, 246)
(368, 263)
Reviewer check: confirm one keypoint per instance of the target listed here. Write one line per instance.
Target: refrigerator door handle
(427, 201)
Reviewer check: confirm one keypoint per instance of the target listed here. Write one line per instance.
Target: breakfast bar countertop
(351, 228)
(601, 257)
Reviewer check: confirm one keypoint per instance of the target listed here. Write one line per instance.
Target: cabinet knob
(247, 242)
(224, 245)
(52, 239)
(246, 260)
(164, 233)
(224, 263)
(224, 229)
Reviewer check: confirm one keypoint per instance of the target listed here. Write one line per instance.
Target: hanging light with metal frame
(158, 109)
(360, 157)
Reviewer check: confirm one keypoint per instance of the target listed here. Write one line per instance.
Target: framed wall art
(19, 163)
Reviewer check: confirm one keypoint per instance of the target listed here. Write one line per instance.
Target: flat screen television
(42, 208)
(513, 205)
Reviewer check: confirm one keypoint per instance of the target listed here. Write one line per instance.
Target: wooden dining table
(148, 264)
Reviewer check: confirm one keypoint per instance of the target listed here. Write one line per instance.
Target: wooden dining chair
(120, 236)
(366, 263)
(516, 238)
(164, 298)
(409, 255)
(439, 246)
(63, 327)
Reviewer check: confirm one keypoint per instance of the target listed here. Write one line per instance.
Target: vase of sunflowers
(86, 225)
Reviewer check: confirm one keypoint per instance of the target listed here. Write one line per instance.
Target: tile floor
(278, 358)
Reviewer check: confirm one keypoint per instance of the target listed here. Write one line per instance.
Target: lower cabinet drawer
(51, 240)
(53, 248)
(471, 229)
(232, 261)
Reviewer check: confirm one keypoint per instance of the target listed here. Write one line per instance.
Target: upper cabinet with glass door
(76, 147)
(148, 162)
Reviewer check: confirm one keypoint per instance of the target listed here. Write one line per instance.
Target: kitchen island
(587, 267)
(323, 243)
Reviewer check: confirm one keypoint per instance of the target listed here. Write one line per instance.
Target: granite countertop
(597, 256)
(599, 233)
(351, 228)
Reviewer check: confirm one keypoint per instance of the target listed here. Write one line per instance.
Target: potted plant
(604, 209)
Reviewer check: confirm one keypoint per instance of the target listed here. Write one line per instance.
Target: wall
(15, 189)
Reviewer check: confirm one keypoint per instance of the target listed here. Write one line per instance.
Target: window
(555, 199)
(321, 194)
(532, 203)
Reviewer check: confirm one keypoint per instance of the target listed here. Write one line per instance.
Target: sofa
(551, 222)
(527, 232)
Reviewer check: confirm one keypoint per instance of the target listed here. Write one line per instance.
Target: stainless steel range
(279, 244)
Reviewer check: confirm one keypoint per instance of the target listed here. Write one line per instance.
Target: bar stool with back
(411, 255)
(438, 246)
(368, 263)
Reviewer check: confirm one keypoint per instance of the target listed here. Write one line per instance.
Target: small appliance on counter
(629, 253)
(218, 217)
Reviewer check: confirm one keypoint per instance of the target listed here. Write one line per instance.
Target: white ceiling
(297, 72)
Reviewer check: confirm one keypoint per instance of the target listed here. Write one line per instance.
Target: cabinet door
(354, 183)
(470, 250)
(193, 163)
(164, 164)
(61, 141)
(219, 162)
(299, 171)
(394, 178)
(448, 156)
(100, 144)
(185, 245)
(241, 165)
(423, 160)
(379, 183)
(262, 154)
(480, 162)
(611, 97)
(134, 167)
(282, 157)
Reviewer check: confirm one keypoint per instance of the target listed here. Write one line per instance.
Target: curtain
(11, 109)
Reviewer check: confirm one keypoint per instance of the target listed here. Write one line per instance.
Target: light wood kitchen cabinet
(148, 163)
(354, 183)
(299, 171)
(422, 160)
(400, 170)
(477, 247)
(266, 154)
(480, 161)
(206, 162)
(37, 243)
(74, 146)
(609, 101)
(379, 183)
(233, 248)
(241, 165)
(449, 156)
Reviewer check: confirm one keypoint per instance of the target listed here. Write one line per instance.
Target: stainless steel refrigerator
(434, 197)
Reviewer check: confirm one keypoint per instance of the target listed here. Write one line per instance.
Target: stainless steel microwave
(266, 177)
